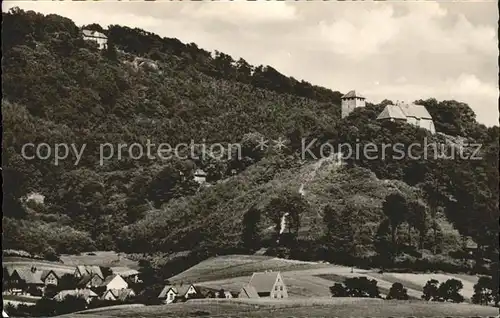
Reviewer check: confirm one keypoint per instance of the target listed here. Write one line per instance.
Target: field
(304, 279)
(68, 262)
(322, 307)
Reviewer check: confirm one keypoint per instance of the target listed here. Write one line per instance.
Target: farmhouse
(269, 284)
(83, 270)
(130, 275)
(98, 37)
(413, 114)
(86, 294)
(89, 281)
(170, 293)
(200, 176)
(351, 101)
(114, 282)
(118, 294)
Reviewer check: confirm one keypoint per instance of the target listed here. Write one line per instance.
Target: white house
(200, 176)
(351, 101)
(98, 37)
(168, 294)
(114, 282)
(416, 115)
(86, 294)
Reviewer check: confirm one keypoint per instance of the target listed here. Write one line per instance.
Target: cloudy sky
(400, 51)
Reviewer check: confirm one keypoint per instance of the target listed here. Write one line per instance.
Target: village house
(167, 294)
(118, 294)
(90, 281)
(170, 293)
(130, 275)
(31, 280)
(351, 101)
(114, 282)
(416, 115)
(269, 284)
(86, 294)
(85, 270)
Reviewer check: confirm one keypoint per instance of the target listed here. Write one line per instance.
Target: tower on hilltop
(350, 101)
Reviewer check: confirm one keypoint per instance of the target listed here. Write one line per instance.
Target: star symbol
(280, 143)
(262, 144)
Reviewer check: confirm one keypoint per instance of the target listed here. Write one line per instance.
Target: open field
(105, 259)
(323, 307)
(305, 279)
(101, 258)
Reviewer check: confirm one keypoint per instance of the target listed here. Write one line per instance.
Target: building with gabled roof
(248, 291)
(89, 281)
(86, 294)
(114, 282)
(413, 114)
(100, 38)
(351, 101)
(118, 294)
(269, 284)
(82, 270)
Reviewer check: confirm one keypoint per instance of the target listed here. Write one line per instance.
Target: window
(281, 288)
(275, 287)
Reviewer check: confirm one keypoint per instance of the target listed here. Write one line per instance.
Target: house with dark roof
(416, 115)
(269, 284)
(118, 294)
(170, 293)
(89, 281)
(86, 294)
(351, 101)
(82, 270)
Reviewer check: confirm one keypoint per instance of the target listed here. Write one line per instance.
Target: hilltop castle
(350, 101)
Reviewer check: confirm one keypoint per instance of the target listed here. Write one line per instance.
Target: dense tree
(250, 235)
(395, 208)
(397, 291)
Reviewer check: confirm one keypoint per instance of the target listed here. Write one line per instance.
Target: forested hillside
(59, 88)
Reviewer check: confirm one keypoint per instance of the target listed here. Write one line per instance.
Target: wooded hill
(59, 88)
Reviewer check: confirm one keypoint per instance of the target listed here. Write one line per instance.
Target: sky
(396, 50)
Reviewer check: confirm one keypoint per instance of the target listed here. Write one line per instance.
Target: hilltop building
(351, 101)
(171, 292)
(100, 38)
(200, 176)
(413, 114)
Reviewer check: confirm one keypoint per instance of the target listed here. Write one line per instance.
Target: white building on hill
(413, 114)
(100, 38)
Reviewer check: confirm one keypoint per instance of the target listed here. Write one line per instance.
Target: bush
(431, 290)
(356, 287)
(483, 291)
(397, 291)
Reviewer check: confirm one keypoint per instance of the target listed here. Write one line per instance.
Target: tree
(483, 291)
(417, 211)
(397, 291)
(221, 294)
(430, 290)
(450, 290)
(287, 206)
(362, 287)
(396, 209)
(250, 235)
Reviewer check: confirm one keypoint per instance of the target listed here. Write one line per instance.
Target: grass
(100, 258)
(322, 307)
(231, 266)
